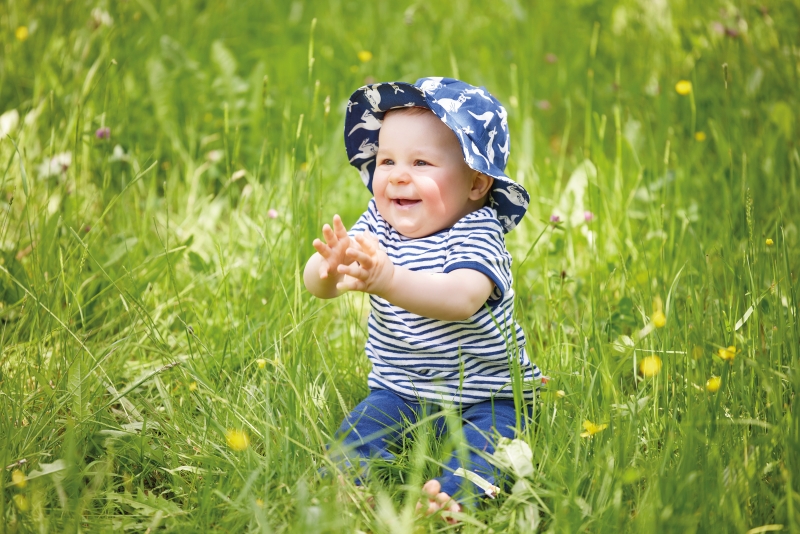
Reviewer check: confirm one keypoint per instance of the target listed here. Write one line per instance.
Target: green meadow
(165, 166)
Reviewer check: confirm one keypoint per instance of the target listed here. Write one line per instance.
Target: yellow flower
(22, 503)
(592, 429)
(727, 354)
(560, 394)
(713, 384)
(700, 136)
(650, 366)
(364, 56)
(683, 87)
(193, 386)
(22, 33)
(260, 503)
(659, 319)
(237, 440)
(18, 479)
(770, 242)
(261, 362)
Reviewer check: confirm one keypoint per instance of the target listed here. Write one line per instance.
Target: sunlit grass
(163, 367)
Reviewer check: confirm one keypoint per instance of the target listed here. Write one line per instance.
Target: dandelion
(683, 87)
(555, 219)
(22, 33)
(261, 362)
(659, 319)
(272, 213)
(650, 366)
(103, 133)
(727, 354)
(592, 428)
(713, 384)
(700, 136)
(193, 386)
(588, 216)
(19, 479)
(237, 440)
(770, 242)
(364, 56)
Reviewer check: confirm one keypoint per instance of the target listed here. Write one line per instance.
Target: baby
(430, 251)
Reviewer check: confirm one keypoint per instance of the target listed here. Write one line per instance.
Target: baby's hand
(334, 249)
(370, 270)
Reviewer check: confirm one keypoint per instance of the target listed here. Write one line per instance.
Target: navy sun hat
(476, 117)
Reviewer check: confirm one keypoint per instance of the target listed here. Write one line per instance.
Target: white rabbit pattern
(452, 105)
(373, 95)
(484, 117)
(367, 150)
(371, 122)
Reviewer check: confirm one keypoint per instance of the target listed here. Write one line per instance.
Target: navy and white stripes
(447, 362)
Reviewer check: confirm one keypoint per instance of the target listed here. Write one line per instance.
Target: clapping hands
(353, 264)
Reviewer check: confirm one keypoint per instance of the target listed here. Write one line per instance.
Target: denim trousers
(380, 420)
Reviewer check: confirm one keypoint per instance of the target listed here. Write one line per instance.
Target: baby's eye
(420, 163)
(387, 162)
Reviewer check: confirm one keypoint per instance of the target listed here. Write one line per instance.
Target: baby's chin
(413, 227)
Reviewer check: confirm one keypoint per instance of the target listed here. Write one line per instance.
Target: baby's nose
(399, 175)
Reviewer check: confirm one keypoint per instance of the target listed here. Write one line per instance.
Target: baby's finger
(330, 237)
(323, 270)
(350, 284)
(368, 242)
(354, 270)
(338, 226)
(353, 255)
(323, 249)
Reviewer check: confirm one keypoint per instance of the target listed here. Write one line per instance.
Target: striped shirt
(448, 362)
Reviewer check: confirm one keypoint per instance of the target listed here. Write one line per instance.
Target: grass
(150, 302)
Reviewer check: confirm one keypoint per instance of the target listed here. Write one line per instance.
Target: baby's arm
(453, 296)
(321, 275)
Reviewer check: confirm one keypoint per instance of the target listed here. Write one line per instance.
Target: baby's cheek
(433, 196)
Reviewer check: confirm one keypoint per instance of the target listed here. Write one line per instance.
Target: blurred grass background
(166, 166)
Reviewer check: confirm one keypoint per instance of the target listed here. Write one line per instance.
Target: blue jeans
(378, 421)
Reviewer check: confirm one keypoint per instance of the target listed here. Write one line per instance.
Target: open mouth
(405, 202)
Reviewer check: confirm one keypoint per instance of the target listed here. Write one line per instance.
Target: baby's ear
(481, 184)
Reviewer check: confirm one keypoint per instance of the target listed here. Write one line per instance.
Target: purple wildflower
(555, 219)
(103, 133)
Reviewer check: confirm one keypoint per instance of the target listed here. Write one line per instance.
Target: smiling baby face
(421, 183)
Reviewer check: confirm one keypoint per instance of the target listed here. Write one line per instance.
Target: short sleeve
(476, 242)
(366, 223)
